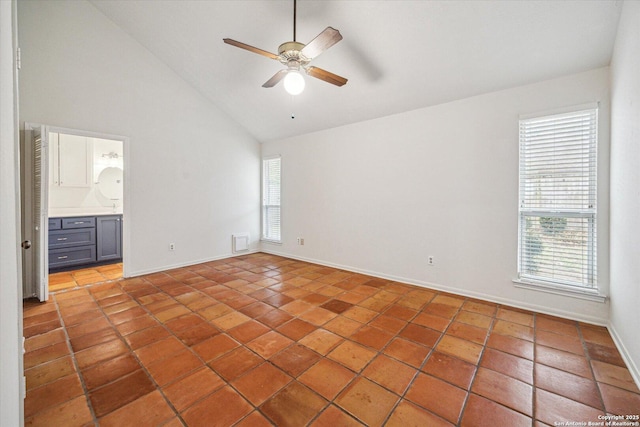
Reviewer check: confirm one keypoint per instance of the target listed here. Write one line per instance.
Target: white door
(37, 221)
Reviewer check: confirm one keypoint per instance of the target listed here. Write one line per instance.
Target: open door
(35, 227)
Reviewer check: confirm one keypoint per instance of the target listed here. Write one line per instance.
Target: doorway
(74, 202)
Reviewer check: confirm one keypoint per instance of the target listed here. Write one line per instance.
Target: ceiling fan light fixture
(294, 82)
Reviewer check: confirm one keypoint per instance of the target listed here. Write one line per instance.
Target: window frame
(264, 207)
(586, 289)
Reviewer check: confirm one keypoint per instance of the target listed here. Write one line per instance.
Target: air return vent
(240, 242)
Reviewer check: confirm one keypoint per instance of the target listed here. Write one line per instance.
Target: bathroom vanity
(84, 240)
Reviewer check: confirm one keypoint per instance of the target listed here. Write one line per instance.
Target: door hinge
(18, 59)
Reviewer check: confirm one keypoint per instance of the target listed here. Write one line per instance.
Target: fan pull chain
(293, 101)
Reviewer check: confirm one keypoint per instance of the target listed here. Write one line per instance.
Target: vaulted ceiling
(398, 55)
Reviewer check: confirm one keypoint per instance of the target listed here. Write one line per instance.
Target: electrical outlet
(301, 241)
(430, 260)
(172, 246)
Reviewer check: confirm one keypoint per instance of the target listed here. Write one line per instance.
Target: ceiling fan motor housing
(290, 55)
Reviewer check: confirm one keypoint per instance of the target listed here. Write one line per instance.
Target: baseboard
(131, 274)
(462, 292)
(626, 356)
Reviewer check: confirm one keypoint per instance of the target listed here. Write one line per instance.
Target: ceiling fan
(296, 56)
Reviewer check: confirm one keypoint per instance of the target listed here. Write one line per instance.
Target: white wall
(625, 187)
(192, 174)
(11, 403)
(381, 196)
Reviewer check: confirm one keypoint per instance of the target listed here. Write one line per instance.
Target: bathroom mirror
(110, 183)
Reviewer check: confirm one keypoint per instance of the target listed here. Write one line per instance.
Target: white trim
(634, 370)
(462, 292)
(561, 110)
(187, 264)
(569, 291)
(127, 184)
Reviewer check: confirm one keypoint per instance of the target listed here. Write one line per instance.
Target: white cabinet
(70, 164)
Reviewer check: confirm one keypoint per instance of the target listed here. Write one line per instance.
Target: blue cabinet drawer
(55, 223)
(72, 256)
(67, 238)
(79, 222)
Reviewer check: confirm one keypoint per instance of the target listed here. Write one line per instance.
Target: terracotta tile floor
(263, 340)
(84, 276)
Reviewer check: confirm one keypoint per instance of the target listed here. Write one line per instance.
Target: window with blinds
(557, 237)
(271, 199)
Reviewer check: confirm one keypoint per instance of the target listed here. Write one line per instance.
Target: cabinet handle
(63, 257)
(62, 238)
(79, 222)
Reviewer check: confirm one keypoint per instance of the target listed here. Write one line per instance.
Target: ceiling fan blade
(275, 79)
(250, 48)
(322, 42)
(326, 76)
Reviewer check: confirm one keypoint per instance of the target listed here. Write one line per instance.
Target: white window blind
(271, 199)
(557, 236)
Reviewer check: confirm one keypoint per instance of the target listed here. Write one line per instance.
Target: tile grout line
(75, 362)
(477, 368)
(585, 349)
(419, 369)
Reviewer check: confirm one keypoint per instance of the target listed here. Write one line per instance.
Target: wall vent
(240, 242)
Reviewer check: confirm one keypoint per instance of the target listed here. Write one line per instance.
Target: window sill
(272, 242)
(586, 294)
